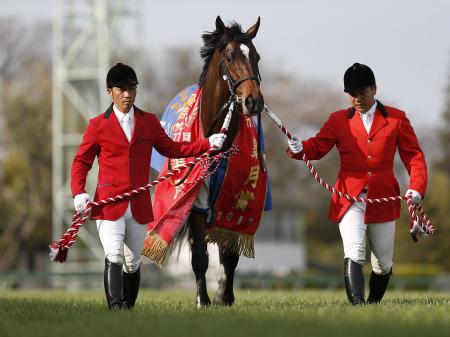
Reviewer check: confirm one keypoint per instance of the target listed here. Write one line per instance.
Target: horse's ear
(220, 26)
(252, 31)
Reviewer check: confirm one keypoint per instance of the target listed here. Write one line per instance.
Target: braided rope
(59, 249)
(420, 224)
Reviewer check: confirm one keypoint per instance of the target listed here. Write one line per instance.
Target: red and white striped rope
(59, 249)
(416, 211)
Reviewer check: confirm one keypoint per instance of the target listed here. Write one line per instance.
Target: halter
(232, 86)
(234, 98)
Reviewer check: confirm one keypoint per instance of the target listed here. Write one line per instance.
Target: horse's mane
(214, 40)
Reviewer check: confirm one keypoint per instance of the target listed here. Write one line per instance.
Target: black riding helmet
(121, 75)
(358, 76)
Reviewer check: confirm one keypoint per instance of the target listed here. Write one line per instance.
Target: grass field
(256, 313)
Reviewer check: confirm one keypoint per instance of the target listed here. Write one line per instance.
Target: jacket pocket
(107, 184)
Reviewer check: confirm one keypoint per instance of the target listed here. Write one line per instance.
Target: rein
(420, 224)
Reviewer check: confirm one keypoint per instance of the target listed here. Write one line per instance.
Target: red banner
(173, 199)
(239, 204)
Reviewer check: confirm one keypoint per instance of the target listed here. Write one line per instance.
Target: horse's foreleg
(200, 260)
(228, 264)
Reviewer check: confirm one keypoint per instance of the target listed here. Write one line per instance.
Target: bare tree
(26, 139)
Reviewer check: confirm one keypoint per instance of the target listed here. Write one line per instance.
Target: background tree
(433, 250)
(303, 104)
(25, 177)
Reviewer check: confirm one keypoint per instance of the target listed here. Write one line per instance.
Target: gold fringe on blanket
(242, 244)
(155, 248)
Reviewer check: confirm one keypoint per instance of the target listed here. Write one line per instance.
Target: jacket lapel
(378, 123)
(357, 124)
(138, 124)
(114, 124)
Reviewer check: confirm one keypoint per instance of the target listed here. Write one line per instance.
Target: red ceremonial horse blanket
(238, 186)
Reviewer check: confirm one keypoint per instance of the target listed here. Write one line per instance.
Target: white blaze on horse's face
(245, 50)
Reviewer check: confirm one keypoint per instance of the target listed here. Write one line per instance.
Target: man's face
(123, 97)
(363, 99)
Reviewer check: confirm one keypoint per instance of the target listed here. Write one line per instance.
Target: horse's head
(237, 63)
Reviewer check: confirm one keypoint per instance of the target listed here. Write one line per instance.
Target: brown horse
(230, 70)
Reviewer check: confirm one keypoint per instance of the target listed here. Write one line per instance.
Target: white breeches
(380, 237)
(122, 240)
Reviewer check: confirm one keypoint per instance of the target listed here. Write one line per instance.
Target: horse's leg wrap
(228, 263)
(200, 259)
(113, 284)
(354, 281)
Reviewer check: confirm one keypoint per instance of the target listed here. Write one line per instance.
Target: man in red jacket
(122, 139)
(367, 135)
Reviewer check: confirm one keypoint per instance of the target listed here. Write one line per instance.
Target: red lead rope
(420, 224)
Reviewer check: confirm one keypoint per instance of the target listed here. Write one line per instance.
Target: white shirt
(367, 118)
(126, 121)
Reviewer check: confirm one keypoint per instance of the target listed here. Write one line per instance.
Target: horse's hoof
(202, 303)
(221, 299)
(228, 301)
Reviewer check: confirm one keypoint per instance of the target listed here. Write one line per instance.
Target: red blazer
(124, 166)
(369, 159)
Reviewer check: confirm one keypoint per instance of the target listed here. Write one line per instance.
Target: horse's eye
(258, 58)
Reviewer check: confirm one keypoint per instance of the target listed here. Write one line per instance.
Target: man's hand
(415, 196)
(295, 145)
(217, 140)
(80, 201)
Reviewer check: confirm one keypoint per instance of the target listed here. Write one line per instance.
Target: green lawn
(256, 313)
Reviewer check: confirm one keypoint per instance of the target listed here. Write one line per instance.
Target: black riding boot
(113, 284)
(131, 288)
(354, 281)
(378, 284)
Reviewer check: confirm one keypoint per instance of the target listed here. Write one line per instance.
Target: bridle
(234, 98)
(232, 86)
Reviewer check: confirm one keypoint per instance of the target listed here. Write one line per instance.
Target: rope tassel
(420, 224)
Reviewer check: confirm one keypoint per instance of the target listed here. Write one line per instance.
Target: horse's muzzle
(253, 106)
